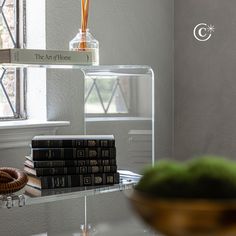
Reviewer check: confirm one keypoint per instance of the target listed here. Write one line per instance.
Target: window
(115, 95)
(106, 96)
(11, 85)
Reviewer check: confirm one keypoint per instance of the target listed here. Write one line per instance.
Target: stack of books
(64, 161)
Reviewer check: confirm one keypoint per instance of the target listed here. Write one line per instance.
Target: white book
(73, 141)
(51, 57)
(75, 137)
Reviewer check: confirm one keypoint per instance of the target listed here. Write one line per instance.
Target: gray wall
(205, 79)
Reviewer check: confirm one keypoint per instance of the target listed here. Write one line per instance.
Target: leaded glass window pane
(9, 84)
(107, 96)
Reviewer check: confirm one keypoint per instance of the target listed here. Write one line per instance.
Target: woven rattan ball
(11, 180)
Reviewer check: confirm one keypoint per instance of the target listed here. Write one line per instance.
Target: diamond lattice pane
(107, 95)
(5, 109)
(125, 88)
(118, 103)
(9, 83)
(7, 25)
(93, 103)
(7, 40)
(88, 86)
(105, 87)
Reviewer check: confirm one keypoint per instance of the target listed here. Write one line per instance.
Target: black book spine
(75, 170)
(72, 143)
(69, 181)
(72, 153)
(74, 163)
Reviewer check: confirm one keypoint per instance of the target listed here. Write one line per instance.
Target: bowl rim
(198, 204)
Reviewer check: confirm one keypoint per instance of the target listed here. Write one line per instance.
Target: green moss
(163, 179)
(213, 177)
(202, 177)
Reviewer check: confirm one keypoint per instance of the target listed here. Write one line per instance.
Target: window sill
(14, 134)
(121, 118)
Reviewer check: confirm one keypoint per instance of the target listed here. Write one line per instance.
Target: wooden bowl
(186, 217)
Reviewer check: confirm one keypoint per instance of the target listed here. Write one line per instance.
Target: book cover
(68, 181)
(64, 163)
(72, 153)
(70, 170)
(72, 141)
(36, 192)
(53, 57)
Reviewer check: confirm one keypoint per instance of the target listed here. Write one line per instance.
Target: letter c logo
(203, 32)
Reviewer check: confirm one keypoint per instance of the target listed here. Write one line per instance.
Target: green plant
(202, 177)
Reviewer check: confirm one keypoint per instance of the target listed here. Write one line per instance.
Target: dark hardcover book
(70, 170)
(72, 141)
(64, 163)
(35, 192)
(68, 181)
(72, 153)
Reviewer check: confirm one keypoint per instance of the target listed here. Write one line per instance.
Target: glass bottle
(84, 41)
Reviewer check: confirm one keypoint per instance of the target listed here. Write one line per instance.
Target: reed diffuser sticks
(84, 40)
(84, 19)
(84, 14)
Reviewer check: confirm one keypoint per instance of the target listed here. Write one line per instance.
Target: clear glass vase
(84, 41)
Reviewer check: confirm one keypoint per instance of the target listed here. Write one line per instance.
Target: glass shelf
(104, 70)
(31, 196)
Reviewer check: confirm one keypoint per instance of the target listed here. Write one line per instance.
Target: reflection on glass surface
(30, 195)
